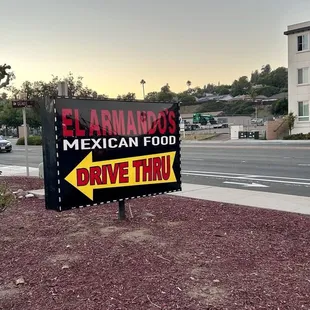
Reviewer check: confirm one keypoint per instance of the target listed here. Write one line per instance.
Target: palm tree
(142, 82)
(188, 83)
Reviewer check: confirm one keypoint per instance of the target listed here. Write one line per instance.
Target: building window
(303, 111)
(303, 42)
(303, 76)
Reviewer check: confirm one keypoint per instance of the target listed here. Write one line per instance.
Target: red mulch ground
(190, 255)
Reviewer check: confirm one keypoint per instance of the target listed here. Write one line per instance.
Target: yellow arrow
(140, 170)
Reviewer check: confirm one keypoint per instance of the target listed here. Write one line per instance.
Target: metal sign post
(23, 104)
(121, 210)
(26, 140)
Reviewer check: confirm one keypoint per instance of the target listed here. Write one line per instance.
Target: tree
(128, 96)
(280, 107)
(3, 96)
(166, 94)
(210, 88)
(254, 77)
(266, 69)
(222, 90)
(278, 78)
(152, 96)
(165, 89)
(198, 92)
(39, 89)
(241, 86)
(267, 91)
(5, 77)
(253, 94)
(186, 99)
(9, 116)
(290, 119)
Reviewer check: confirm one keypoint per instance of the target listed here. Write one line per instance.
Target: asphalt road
(262, 167)
(265, 167)
(17, 156)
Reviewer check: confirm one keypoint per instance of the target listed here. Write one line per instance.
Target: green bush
(6, 197)
(33, 140)
(298, 136)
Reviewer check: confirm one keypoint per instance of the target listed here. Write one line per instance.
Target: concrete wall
(237, 120)
(21, 131)
(234, 131)
(297, 60)
(276, 129)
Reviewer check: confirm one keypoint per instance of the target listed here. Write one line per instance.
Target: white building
(299, 75)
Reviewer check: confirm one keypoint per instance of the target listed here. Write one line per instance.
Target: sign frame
(20, 103)
(53, 154)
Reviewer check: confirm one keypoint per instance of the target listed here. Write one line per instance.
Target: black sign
(23, 103)
(101, 151)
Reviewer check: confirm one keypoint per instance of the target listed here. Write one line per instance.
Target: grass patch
(199, 137)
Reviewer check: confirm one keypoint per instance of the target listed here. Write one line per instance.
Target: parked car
(257, 121)
(5, 145)
(191, 127)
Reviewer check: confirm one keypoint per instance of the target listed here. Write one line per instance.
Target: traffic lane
(285, 169)
(288, 187)
(268, 169)
(18, 157)
(284, 163)
(245, 144)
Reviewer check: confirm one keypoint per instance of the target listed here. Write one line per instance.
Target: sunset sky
(113, 44)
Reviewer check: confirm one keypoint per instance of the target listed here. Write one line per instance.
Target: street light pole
(142, 83)
(24, 96)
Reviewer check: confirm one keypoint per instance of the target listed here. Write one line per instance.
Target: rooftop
(297, 28)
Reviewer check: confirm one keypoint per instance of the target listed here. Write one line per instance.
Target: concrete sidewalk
(273, 201)
(18, 171)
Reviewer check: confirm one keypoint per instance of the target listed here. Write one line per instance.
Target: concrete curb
(247, 198)
(288, 142)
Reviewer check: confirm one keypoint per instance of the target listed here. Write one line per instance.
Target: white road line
(245, 178)
(191, 159)
(246, 184)
(246, 175)
(304, 165)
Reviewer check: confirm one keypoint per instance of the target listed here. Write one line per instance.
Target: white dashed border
(57, 157)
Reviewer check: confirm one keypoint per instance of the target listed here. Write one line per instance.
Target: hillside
(231, 108)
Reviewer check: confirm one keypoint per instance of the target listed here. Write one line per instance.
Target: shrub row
(298, 136)
(33, 140)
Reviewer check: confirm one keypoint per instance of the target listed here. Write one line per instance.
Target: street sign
(22, 103)
(101, 151)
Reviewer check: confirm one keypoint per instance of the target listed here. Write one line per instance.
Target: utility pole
(26, 140)
(24, 96)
